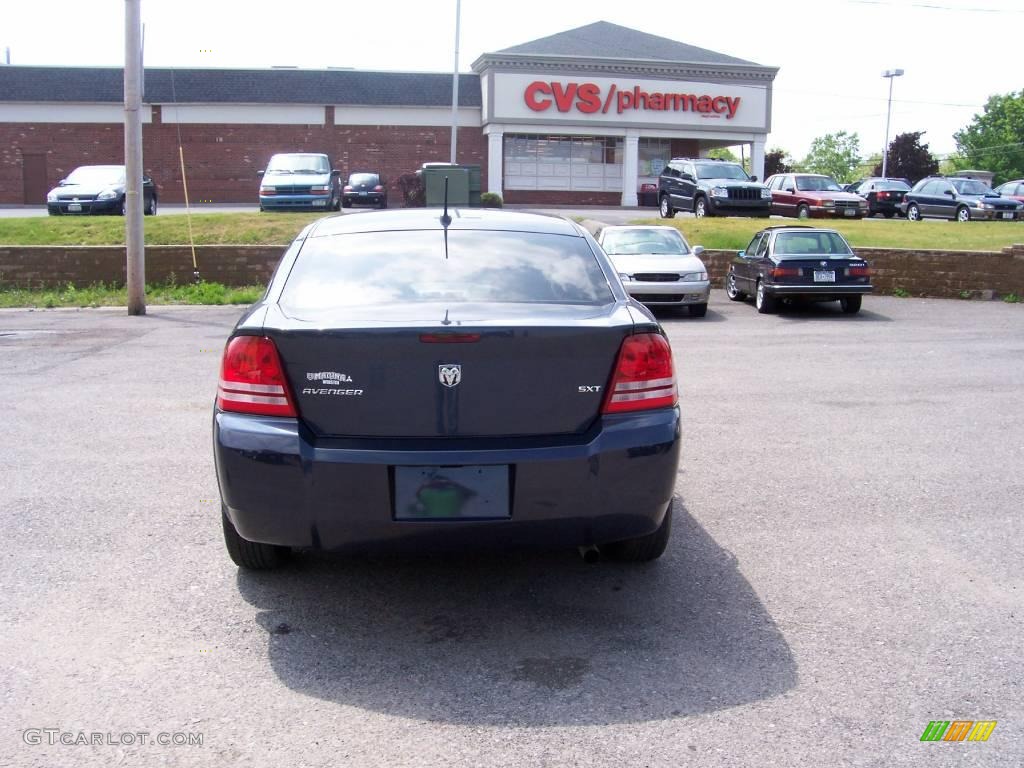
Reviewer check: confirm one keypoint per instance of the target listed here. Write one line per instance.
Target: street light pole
(891, 74)
(455, 83)
(136, 267)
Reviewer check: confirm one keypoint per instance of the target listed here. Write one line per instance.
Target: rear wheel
(665, 208)
(643, 548)
(850, 304)
(913, 212)
(701, 208)
(731, 290)
(803, 212)
(251, 554)
(962, 214)
(764, 301)
(698, 310)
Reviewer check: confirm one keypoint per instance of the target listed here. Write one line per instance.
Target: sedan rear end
(406, 385)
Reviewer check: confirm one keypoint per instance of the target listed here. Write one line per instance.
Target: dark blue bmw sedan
(411, 381)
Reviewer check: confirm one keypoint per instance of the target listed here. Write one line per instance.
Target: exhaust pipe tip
(590, 553)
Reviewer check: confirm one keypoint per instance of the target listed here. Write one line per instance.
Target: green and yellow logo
(958, 730)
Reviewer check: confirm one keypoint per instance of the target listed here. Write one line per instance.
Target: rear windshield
(657, 241)
(810, 243)
(363, 178)
(410, 266)
(899, 186)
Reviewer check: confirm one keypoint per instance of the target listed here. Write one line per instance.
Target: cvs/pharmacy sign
(588, 98)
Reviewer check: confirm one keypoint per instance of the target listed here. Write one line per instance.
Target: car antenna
(446, 220)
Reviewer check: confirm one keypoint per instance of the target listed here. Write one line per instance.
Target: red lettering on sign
(530, 96)
(563, 96)
(588, 98)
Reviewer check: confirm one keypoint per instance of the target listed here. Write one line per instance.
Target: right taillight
(252, 379)
(860, 271)
(643, 377)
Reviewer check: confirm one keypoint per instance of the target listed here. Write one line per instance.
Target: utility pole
(891, 74)
(134, 233)
(455, 81)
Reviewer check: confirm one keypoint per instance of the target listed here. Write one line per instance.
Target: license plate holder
(74, 207)
(824, 275)
(319, 202)
(849, 212)
(1008, 216)
(474, 492)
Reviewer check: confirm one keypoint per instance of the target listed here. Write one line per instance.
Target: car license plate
(824, 276)
(452, 493)
(1007, 215)
(362, 194)
(319, 202)
(849, 212)
(75, 207)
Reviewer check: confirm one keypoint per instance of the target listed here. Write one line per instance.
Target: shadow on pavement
(828, 310)
(539, 639)
(665, 313)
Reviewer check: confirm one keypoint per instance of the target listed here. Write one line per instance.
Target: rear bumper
(280, 486)
(817, 290)
(370, 198)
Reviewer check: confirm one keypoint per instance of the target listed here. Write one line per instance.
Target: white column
(495, 161)
(757, 159)
(630, 167)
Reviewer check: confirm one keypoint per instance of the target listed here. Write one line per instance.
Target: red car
(806, 195)
(1014, 189)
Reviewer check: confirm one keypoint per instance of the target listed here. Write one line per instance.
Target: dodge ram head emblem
(449, 375)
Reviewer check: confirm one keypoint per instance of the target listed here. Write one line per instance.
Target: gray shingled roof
(240, 86)
(604, 39)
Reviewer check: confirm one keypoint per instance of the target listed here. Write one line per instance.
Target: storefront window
(585, 163)
(654, 155)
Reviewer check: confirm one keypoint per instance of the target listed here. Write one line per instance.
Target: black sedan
(97, 189)
(416, 382)
(798, 263)
(883, 195)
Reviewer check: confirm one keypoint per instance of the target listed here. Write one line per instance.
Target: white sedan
(658, 267)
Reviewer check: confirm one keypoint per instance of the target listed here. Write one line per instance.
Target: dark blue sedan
(411, 385)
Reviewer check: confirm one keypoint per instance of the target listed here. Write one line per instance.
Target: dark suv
(710, 187)
(959, 198)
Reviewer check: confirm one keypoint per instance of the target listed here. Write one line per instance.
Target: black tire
(763, 300)
(803, 212)
(250, 554)
(262, 209)
(850, 304)
(913, 212)
(888, 214)
(642, 549)
(150, 209)
(701, 208)
(698, 310)
(665, 208)
(346, 203)
(731, 289)
(963, 213)
(123, 209)
(383, 204)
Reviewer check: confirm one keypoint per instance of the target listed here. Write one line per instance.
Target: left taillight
(860, 271)
(252, 379)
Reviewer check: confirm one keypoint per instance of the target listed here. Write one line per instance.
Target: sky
(831, 53)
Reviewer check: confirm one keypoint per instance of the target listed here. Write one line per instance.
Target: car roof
(430, 218)
(618, 227)
(797, 228)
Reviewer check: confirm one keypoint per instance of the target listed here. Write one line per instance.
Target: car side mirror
(951, 193)
(62, 183)
(698, 250)
(686, 177)
(753, 178)
(259, 173)
(741, 254)
(789, 189)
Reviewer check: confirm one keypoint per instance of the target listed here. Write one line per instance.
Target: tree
(777, 161)
(867, 166)
(835, 155)
(994, 141)
(909, 159)
(723, 153)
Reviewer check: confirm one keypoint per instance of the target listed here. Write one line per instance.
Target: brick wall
(222, 160)
(922, 273)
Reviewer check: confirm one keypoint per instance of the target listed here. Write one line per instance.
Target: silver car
(658, 267)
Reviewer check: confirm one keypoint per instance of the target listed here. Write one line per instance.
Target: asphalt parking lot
(845, 567)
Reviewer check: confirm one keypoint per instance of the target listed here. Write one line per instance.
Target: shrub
(414, 193)
(490, 200)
